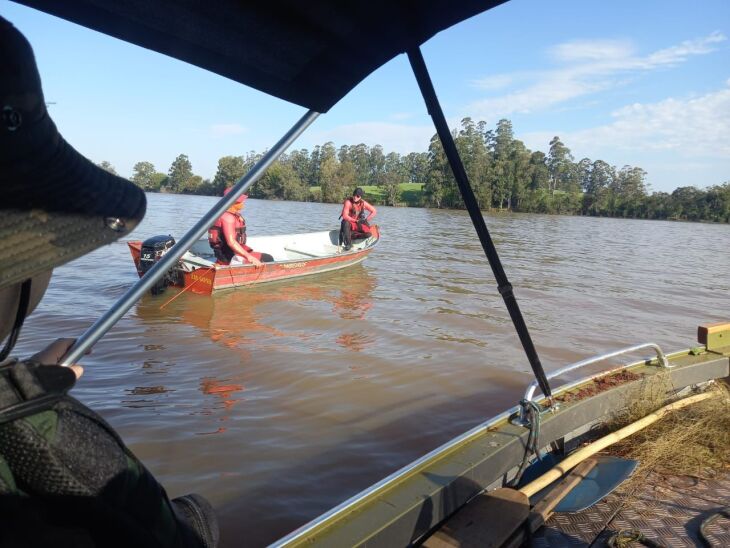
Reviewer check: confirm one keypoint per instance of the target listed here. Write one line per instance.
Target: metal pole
(505, 288)
(112, 316)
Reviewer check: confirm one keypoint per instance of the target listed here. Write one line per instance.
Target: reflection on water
(147, 390)
(224, 394)
(281, 400)
(236, 318)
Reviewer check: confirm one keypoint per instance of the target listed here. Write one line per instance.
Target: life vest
(217, 240)
(355, 209)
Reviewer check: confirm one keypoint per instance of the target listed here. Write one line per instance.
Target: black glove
(67, 479)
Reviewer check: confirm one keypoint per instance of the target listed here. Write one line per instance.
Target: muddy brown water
(278, 402)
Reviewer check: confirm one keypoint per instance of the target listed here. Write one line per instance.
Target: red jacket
(228, 232)
(351, 210)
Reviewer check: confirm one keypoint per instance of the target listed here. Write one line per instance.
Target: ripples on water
(278, 402)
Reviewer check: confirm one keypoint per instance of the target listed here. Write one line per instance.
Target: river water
(278, 402)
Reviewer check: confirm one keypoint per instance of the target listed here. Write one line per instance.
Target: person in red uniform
(356, 215)
(227, 237)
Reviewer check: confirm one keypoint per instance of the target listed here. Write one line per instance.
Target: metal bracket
(530, 392)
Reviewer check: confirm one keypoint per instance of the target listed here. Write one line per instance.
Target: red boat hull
(204, 281)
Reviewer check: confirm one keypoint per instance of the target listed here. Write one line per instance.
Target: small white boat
(295, 255)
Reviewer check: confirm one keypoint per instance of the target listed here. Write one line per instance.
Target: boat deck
(666, 509)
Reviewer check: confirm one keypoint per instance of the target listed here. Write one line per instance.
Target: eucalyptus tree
(142, 174)
(280, 182)
(631, 190)
(193, 185)
(346, 179)
(583, 173)
(658, 205)
(376, 160)
(106, 166)
(314, 166)
(330, 180)
(503, 169)
(559, 164)
(475, 157)
(539, 174)
(416, 166)
(597, 188)
(360, 158)
(157, 181)
(230, 169)
(718, 201)
(343, 154)
(686, 203)
(520, 157)
(393, 176)
(180, 171)
(300, 163)
(440, 183)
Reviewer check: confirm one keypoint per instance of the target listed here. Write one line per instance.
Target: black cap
(357, 192)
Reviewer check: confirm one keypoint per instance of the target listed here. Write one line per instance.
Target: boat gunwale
(432, 458)
(352, 252)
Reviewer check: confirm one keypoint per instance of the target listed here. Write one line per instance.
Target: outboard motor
(152, 251)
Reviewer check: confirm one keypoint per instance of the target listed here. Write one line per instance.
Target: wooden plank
(487, 521)
(544, 509)
(714, 335)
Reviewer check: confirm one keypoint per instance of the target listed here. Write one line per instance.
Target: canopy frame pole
(134, 293)
(505, 288)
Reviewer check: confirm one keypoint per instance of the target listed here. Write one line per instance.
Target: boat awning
(311, 53)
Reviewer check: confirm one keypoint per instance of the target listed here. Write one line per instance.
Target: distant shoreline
(374, 196)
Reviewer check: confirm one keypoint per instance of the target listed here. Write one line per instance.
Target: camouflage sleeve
(66, 475)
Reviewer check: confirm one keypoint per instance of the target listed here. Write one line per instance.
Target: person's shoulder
(229, 217)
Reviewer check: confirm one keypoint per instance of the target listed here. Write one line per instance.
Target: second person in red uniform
(356, 215)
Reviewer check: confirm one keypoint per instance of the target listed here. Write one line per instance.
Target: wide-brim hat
(55, 205)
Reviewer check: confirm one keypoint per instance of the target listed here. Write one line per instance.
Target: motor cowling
(152, 251)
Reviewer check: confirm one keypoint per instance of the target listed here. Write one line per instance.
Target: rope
(625, 537)
(188, 286)
(725, 512)
(532, 447)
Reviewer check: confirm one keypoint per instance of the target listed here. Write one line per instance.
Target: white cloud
(393, 137)
(224, 130)
(676, 140)
(695, 126)
(554, 88)
(681, 52)
(591, 50)
(400, 116)
(498, 81)
(588, 66)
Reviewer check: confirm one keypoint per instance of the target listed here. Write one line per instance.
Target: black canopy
(309, 52)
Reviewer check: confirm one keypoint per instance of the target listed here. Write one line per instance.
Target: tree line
(503, 172)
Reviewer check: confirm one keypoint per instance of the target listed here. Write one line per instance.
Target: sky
(641, 83)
